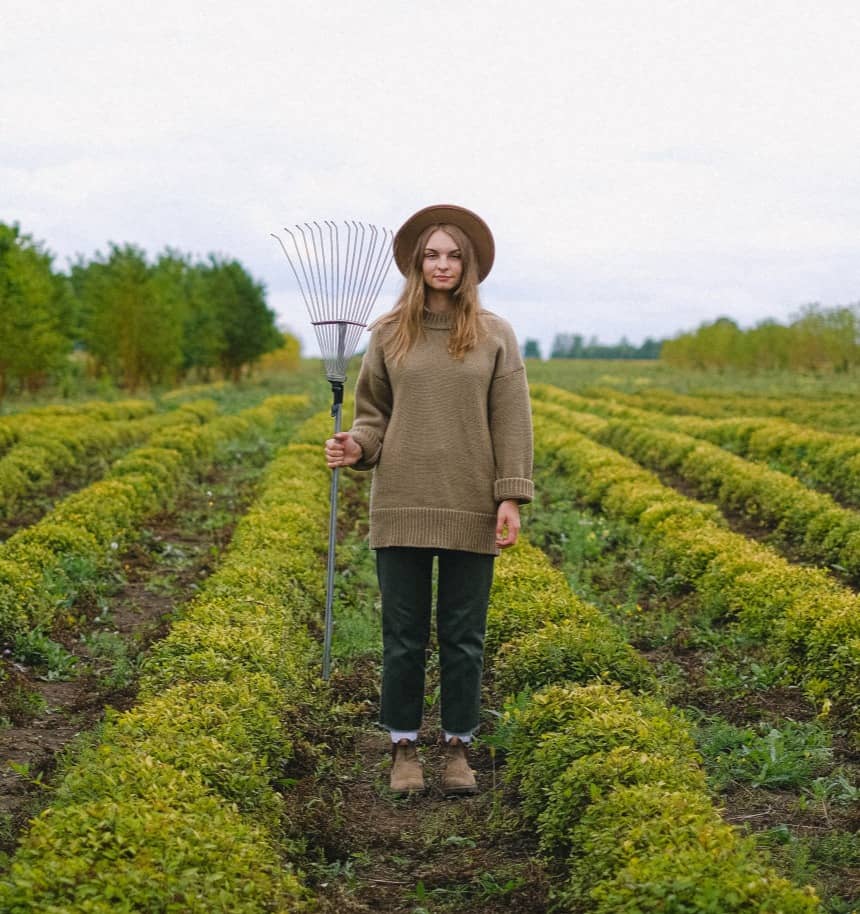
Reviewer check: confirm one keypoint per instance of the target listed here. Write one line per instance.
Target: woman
(442, 416)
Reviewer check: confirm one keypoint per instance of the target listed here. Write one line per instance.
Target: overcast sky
(644, 166)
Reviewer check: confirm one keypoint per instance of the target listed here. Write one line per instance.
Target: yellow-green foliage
(590, 778)
(85, 529)
(527, 592)
(544, 633)
(802, 613)
(811, 521)
(825, 459)
(581, 745)
(194, 390)
(51, 446)
(580, 649)
(176, 808)
(563, 723)
(835, 413)
(130, 833)
(614, 783)
(649, 849)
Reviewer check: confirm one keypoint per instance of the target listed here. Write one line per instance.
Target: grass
(632, 376)
(787, 755)
(48, 658)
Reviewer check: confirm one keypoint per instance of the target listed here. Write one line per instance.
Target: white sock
(397, 735)
(464, 738)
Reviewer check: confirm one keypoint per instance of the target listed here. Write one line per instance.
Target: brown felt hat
(472, 224)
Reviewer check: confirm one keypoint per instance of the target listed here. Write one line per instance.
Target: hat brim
(471, 223)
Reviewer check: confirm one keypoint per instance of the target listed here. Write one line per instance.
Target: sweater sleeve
(373, 402)
(511, 424)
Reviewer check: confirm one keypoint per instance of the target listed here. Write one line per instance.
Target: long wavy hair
(408, 312)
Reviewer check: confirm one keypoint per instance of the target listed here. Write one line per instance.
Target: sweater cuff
(514, 487)
(370, 448)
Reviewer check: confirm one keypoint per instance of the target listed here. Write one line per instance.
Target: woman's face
(443, 262)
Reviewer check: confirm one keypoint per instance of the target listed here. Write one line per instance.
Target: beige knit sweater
(448, 439)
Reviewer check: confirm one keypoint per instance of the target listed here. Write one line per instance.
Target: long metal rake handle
(336, 410)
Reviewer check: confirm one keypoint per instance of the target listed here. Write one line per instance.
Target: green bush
(149, 837)
(592, 778)
(575, 650)
(528, 592)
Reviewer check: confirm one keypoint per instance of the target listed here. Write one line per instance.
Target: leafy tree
(133, 315)
(203, 334)
(247, 324)
(286, 357)
(573, 346)
(32, 304)
(818, 339)
(531, 349)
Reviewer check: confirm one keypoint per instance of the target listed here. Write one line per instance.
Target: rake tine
(309, 298)
(368, 262)
(320, 310)
(292, 267)
(319, 261)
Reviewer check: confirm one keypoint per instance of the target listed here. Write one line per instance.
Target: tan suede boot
(457, 777)
(406, 773)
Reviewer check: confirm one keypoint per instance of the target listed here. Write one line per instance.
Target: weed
(23, 770)
(50, 659)
(763, 755)
(490, 885)
(458, 841)
(819, 859)
(118, 668)
(21, 704)
(836, 789)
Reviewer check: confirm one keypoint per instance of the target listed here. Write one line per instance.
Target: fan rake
(339, 272)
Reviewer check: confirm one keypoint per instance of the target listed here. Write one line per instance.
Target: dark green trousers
(406, 582)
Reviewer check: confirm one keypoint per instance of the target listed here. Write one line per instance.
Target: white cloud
(644, 166)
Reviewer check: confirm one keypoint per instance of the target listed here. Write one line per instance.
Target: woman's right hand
(342, 450)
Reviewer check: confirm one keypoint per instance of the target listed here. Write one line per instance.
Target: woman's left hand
(507, 523)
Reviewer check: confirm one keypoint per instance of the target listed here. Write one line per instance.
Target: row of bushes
(836, 413)
(177, 808)
(801, 613)
(42, 566)
(79, 446)
(17, 425)
(820, 529)
(812, 522)
(611, 777)
(825, 460)
(195, 390)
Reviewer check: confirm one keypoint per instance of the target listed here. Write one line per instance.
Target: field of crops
(672, 701)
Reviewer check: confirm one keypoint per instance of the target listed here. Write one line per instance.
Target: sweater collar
(438, 320)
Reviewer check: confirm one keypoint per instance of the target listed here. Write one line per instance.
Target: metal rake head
(340, 272)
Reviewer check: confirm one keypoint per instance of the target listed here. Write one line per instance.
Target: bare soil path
(372, 851)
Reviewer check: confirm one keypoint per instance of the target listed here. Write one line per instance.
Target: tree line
(575, 346)
(816, 339)
(136, 320)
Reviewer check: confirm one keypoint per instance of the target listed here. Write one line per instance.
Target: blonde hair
(408, 312)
